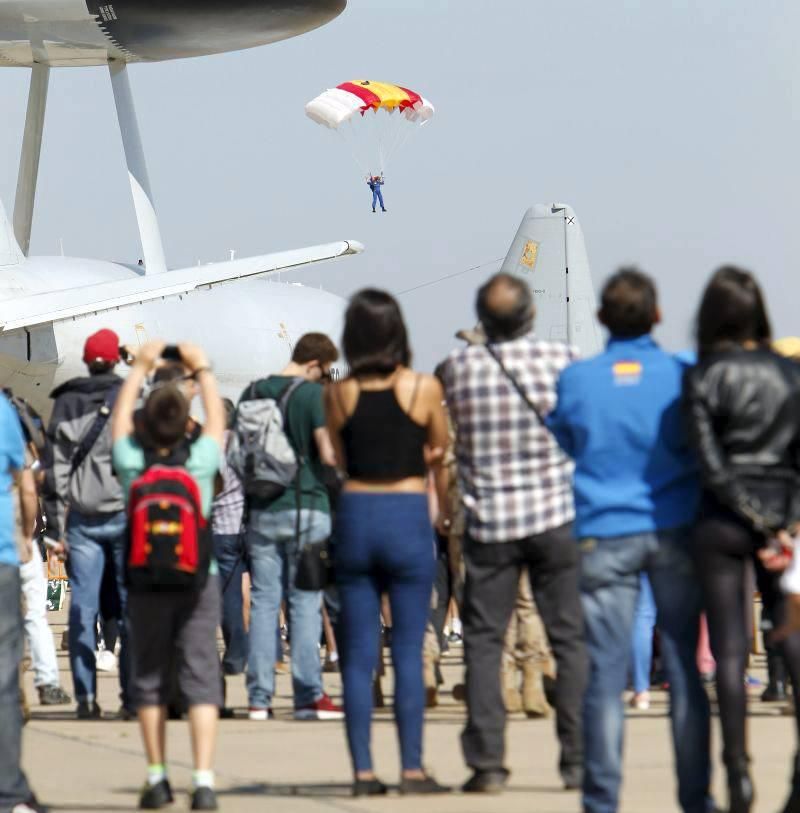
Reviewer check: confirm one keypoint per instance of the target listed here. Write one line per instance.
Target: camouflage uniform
(527, 650)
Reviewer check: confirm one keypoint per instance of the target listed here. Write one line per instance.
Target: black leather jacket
(743, 416)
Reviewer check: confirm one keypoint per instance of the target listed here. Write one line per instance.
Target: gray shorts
(175, 632)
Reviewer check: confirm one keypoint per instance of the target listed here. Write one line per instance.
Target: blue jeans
(229, 553)
(384, 543)
(377, 195)
(610, 571)
(92, 540)
(644, 621)
(13, 785)
(273, 548)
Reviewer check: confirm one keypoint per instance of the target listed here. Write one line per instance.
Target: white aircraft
(49, 305)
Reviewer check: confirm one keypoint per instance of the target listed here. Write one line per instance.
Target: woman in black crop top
(389, 429)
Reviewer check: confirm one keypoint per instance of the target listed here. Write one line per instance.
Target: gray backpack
(260, 451)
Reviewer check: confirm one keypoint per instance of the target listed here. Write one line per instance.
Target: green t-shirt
(305, 413)
(203, 464)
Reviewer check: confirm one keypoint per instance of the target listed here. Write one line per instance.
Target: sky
(671, 128)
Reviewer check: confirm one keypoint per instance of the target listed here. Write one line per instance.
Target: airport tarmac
(301, 767)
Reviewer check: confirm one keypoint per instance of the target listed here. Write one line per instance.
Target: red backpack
(169, 543)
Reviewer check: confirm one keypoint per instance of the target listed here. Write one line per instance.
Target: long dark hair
(732, 312)
(375, 339)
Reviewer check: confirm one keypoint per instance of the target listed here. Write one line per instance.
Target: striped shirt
(516, 481)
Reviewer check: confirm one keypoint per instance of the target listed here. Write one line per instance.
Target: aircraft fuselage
(64, 33)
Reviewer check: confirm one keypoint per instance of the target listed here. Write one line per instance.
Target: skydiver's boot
(373, 210)
(382, 209)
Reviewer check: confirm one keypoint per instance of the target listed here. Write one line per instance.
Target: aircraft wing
(53, 306)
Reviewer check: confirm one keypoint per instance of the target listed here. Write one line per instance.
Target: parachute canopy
(338, 105)
(374, 119)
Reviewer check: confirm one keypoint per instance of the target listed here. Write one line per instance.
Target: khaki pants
(526, 639)
(526, 651)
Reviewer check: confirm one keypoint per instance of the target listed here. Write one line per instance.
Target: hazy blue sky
(672, 128)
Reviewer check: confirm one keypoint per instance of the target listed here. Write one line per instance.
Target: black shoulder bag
(517, 386)
(95, 430)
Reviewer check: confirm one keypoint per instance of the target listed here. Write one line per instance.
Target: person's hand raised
(193, 356)
(149, 354)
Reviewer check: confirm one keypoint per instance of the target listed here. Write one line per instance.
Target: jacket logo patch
(627, 373)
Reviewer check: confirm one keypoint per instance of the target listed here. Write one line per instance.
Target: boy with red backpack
(174, 600)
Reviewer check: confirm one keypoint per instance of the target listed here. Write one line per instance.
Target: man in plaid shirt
(517, 487)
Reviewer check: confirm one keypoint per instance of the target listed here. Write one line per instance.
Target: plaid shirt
(515, 479)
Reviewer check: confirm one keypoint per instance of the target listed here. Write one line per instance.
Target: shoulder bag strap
(95, 430)
(517, 386)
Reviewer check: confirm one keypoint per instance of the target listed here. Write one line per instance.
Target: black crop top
(381, 441)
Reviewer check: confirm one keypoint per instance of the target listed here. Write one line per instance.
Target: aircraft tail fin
(549, 252)
(10, 252)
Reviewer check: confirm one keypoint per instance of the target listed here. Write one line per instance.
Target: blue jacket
(373, 185)
(619, 417)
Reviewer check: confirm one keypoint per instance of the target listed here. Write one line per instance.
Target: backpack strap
(283, 401)
(95, 430)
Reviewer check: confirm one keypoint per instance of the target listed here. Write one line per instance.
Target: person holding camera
(174, 594)
(85, 510)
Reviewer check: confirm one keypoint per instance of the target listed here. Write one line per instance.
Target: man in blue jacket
(375, 182)
(618, 416)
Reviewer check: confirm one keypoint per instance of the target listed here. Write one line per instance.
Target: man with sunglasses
(273, 543)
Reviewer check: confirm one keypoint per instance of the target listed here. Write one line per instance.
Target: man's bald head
(505, 308)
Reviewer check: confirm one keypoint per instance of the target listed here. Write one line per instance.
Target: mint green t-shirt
(203, 464)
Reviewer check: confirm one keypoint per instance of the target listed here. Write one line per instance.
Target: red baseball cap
(102, 346)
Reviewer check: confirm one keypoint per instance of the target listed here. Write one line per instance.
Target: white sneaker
(259, 714)
(641, 701)
(105, 661)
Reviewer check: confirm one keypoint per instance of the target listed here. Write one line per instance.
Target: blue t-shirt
(619, 417)
(12, 458)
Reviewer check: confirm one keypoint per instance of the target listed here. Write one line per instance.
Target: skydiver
(375, 182)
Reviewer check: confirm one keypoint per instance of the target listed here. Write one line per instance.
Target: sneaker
(204, 798)
(322, 709)
(105, 661)
(331, 667)
(89, 711)
(154, 797)
(641, 701)
(31, 805)
(53, 696)
(259, 714)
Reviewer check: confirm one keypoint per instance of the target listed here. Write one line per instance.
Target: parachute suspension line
(359, 163)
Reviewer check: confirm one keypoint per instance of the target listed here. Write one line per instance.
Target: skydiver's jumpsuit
(377, 195)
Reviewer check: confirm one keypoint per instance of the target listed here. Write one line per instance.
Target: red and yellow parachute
(372, 116)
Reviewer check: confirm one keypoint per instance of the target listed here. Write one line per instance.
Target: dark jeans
(13, 785)
(490, 592)
(443, 586)
(610, 574)
(229, 553)
(384, 543)
(724, 549)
